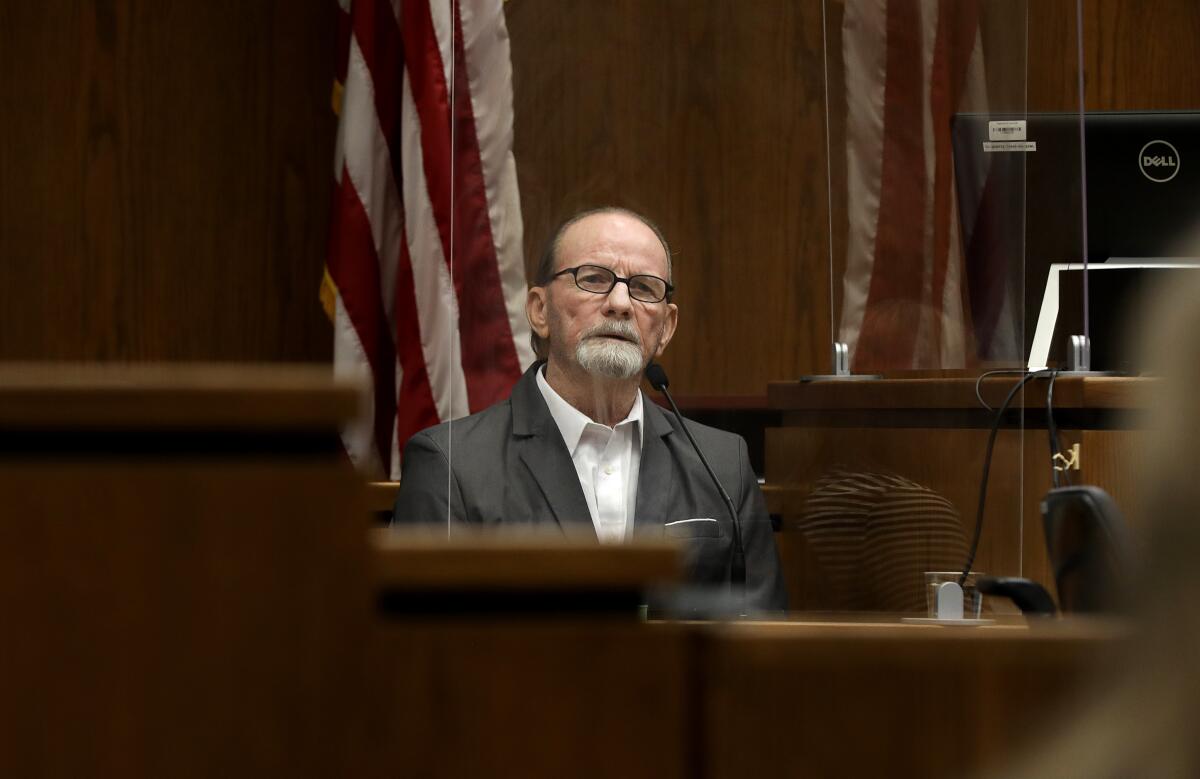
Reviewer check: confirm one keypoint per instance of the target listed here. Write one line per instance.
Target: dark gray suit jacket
(508, 464)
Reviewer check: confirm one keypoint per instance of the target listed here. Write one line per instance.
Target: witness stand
(191, 588)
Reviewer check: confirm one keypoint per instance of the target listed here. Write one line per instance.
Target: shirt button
(608, 470)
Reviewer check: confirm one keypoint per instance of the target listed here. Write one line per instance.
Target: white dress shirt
(606, 460)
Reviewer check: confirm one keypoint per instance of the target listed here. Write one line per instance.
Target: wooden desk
(182, 573)
(933, 433)
(827, 699)
(566, 694)
(524, 657)
(931, 394)
(186, 584)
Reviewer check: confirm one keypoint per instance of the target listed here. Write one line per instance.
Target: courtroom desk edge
(174, 396)
(381, 495)
(1070, 392)
(429, 560)
(835, 639)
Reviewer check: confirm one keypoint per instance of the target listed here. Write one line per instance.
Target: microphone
(737, 565)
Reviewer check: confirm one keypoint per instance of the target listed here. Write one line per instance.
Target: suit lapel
(542, 450)
(655, 474)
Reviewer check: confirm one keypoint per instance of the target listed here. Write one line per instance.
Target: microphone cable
(1052, 434)
(1000, 372)
(737, 564)
(987, 460)
(1051, 426)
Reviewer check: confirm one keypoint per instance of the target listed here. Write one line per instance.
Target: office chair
(1088, 546)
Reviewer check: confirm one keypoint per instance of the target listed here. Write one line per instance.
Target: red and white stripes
(425, 271)
(909, 66)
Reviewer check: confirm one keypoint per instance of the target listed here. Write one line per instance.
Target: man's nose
(618, 302)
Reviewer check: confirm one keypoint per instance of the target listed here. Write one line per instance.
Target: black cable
(987, 466)
(737, 564)
(1052, 431)
(999, 372)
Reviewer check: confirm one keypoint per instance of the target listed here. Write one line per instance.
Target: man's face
(610, 335)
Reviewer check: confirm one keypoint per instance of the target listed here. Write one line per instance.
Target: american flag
(909, 66)
(425, 281)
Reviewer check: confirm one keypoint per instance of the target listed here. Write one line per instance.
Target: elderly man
(577, 445)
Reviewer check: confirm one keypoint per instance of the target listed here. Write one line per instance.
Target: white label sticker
(1013, 130)
(1010, 146)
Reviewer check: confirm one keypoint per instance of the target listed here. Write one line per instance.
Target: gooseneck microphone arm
(737, 564)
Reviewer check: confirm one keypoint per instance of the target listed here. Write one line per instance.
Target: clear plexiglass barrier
(863, 174)
(944, 198)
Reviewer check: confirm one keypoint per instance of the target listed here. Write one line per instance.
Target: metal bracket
(841, 359)
(1079, 357)
(840, 355)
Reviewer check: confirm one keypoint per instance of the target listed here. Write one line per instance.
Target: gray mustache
(620, 329)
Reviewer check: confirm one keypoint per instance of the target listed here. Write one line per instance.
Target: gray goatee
(609, 357)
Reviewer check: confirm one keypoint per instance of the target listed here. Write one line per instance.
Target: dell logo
(1158, 161)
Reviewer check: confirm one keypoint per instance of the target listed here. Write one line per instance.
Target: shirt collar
(572, 422)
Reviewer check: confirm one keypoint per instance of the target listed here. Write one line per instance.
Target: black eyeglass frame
(575, 275)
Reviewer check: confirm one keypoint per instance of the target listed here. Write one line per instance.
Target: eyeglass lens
(595, 278)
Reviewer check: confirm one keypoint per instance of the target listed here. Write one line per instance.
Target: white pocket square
(699, 527)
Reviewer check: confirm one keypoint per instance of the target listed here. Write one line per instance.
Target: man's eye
(593, 277)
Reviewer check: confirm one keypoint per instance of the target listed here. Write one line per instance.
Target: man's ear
(536, 308)
(668, 330)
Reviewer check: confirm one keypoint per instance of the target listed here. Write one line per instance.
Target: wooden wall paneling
(1137, 55)
(1037, 481)
(1004, 29)
(165, 185)
(1052, 72)
(164, 192)
(1115, 459)
(710, 118)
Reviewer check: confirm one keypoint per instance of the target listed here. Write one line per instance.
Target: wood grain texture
(426, 560)
(1137, 55)
(164, 194)
(710, 119)
(865, 700)
(183, 613)
(1070, 392)
(195, 618)
(194, 397)
(698, 127)
(1117, 461)
(165, 191)
(548, 698)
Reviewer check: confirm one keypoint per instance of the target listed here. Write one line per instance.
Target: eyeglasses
(601, 280)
